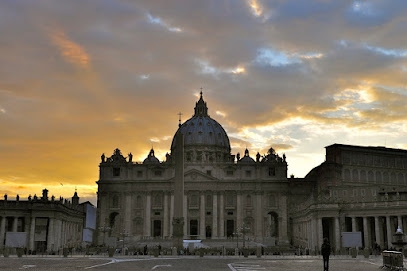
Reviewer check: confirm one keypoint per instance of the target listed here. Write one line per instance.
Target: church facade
(224, 195)
(357, 189)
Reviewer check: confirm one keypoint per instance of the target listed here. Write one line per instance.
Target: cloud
(297, 75)
(70, 51)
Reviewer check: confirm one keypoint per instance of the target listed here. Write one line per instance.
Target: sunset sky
(79, 78)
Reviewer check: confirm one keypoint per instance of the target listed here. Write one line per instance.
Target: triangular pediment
(196, 175)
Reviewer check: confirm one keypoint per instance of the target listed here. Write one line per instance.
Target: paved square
(188, 263)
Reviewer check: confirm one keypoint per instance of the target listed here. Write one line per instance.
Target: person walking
(326, 251)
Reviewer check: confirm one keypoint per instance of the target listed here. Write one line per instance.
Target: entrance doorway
(157, 228)
(230, 228)
(208, 232)
(193, 227)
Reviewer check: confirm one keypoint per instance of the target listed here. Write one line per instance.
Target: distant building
(49, 224)
(357, 189)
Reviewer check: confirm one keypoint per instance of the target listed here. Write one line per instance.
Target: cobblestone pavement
(274, 263)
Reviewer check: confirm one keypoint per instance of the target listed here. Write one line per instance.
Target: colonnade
(60, 233)
(375, 230)
(209, 215)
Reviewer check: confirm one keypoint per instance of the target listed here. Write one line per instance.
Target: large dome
(203, 131)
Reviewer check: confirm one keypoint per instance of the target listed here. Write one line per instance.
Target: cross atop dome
(200, 108)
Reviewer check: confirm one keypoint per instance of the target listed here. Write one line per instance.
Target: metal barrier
(393, 260)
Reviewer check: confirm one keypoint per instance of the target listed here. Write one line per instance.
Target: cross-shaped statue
(179, 114)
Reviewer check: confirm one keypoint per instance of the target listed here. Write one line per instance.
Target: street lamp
(236, 233)
(124, 234)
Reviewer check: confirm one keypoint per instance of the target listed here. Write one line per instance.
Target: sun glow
(256, 8)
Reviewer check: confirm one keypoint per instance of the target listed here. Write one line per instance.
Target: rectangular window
(158, 173)
(139, 174)
(209, 172)
(362, 192)
(272, 171)
(229, 173)
(248, 173)
(116, 172)
(230, 213)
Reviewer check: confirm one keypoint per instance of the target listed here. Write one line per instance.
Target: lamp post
(123, 234)
(245, 229)
(236, 233)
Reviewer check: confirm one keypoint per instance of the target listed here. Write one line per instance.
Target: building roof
(367, 148)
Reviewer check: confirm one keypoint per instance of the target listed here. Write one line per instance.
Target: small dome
(151, 158)
(246, 158)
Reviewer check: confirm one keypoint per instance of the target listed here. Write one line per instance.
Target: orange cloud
(70, 50)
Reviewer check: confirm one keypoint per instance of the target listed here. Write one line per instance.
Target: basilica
(249, 196)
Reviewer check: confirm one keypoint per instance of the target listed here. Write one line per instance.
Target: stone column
(50, 237)
(221, 215)
(127, 216)
(389, 232)
(62, 242)
(32, 233)
(310, 230)
(171, 214)
(57, 229)
(202, 231)
(377, 231)
(185, 216)
(320, 233)
(366, 233)
(353, 224)
(165, 228)
(284, 225)
(2, 230)
(337, 234)
(147, 224)
(314, 235)
(27, 230)
(15, 224)
(215, 216)
(259, 218)
(239, 222)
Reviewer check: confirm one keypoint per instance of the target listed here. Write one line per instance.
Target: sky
(79, 78)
